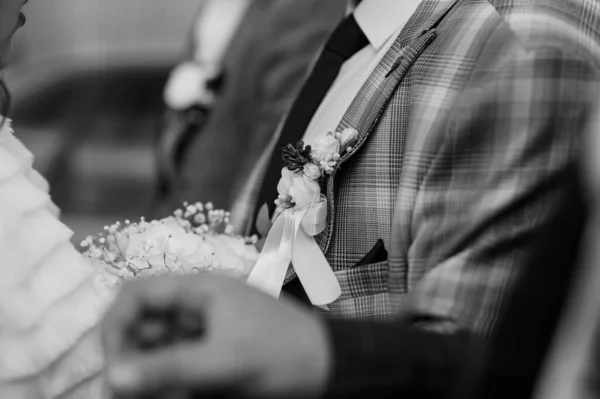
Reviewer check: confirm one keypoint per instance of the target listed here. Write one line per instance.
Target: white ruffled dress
(50, 306)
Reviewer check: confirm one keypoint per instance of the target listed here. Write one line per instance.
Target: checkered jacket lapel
(374, 95)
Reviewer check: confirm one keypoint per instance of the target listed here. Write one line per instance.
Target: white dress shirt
(381, 21)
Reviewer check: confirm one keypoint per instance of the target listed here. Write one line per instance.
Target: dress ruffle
(50, 308)
(59, 275)
(77, 375)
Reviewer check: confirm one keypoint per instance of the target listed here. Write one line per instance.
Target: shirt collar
(379, 19)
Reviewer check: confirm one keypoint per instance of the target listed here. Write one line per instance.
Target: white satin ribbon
(291, 239)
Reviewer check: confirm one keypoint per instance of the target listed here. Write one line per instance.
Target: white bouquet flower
(195, 240)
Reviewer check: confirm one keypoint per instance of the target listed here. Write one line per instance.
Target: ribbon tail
(315, 219)
(318, 279)
(270, 269)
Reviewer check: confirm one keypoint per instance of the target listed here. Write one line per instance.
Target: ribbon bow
(291, 239)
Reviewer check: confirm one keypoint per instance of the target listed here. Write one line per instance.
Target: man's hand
(250, 344)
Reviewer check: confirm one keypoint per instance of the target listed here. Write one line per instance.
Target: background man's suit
(264, 67)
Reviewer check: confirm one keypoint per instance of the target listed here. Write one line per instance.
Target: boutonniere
(189, 86)
(301, 214)
(308, 167)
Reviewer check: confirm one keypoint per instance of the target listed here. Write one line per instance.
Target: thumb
(181, 366)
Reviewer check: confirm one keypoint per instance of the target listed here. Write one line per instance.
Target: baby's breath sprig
(128, 250)
(204, 219)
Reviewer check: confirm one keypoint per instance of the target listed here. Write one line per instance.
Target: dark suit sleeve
(396, 360)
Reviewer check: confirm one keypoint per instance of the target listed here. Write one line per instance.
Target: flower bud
(348, 137)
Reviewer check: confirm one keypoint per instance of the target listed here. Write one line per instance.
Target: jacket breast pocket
(364, 288)
(363, 280)
(377, 254)
(364, 293)
(367, 277)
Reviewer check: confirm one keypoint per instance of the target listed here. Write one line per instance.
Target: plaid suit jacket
(466, 127)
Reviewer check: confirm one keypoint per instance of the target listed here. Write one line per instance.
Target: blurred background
(87, 82)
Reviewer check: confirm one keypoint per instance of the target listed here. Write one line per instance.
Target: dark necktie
(345, 41)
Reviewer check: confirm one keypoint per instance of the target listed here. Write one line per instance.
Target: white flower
(312, 171)
(187, 86)
(168, 261)
(286, 182)
(305, 192)
(105, 282)
(167, 245)
(328, 166)
(171, 246)
(201, 258)
(200, 218)
(302, 190)
(326, 147)
(348, 137)
(126, 274)
(191, 209)
(232, 255)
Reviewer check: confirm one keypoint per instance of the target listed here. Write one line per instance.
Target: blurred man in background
(194, 85)
(248, 59)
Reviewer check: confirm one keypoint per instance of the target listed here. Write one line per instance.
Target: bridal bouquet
(194, 240)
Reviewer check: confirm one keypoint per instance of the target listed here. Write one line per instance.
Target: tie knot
(347, 39)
